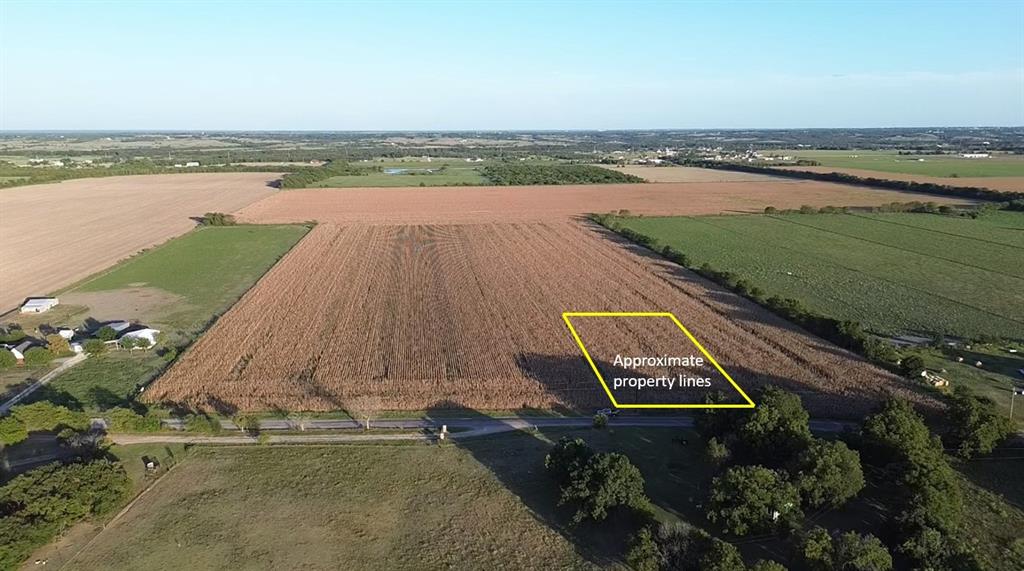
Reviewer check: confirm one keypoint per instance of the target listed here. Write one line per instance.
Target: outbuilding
(39, 304)
(148, 335)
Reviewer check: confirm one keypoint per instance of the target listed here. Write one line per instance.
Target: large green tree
(975, 427)
(752, 499)
(777, 429)
(606, 481)
(828, 474)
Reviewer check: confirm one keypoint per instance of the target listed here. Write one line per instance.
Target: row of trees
(512, 174)
(914, 206)
(907, 186)
(14, 175)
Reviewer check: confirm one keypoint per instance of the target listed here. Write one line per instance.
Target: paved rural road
(467, 428)
(71, 362)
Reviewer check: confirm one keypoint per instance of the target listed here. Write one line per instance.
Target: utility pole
(1013, 394)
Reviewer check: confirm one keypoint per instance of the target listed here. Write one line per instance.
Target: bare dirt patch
(689, 174)
(1000, 183)
(52, 235)
(407, 317)
(142, 304)
(475, 204)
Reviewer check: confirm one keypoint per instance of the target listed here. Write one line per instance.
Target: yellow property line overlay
(568, 322)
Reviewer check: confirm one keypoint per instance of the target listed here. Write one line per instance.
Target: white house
(20, 349)
(117, 326)
(66, 333)
(147, 334)
(39, 304)
(192, 164)
(975, 155)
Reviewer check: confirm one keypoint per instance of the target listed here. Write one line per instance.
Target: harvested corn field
(476, 204)
(404, 317)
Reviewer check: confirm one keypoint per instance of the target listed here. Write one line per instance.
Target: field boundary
(568, 314)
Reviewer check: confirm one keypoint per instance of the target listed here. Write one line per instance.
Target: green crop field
(928, 165)
(895, 273)
(446, 177)
(208, 268)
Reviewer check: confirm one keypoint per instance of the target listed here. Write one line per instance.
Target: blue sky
(509, 65)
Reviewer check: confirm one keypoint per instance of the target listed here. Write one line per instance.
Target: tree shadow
(105, 399)
(516, 459)
(573, 383)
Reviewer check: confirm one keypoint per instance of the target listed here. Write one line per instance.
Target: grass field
(929, 165)
(895, 273)
(208, 268)
(101, 382)
(389, 507)
(995, 379)
(448, 176)
(484, 503)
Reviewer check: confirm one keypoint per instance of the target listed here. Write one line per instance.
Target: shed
(39, 304)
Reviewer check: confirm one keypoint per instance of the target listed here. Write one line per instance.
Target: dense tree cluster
(975, 426)
(680, 548)
(303, 177)
(531, 174)
(778, 466)
(38, 505)
(931, 513)
(595, 482)
(39, 416)
(821, 551)
(217, 219)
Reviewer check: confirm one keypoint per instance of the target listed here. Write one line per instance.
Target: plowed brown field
(434, 205)
(52, 235)
(1001, 183)
(470, 315)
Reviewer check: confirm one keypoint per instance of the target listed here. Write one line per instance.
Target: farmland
(688, 174)
(394, 507)
(483, 503)
(530, 203)
(1000, 183)
(402, 317)
(177, 287)
(56, 234)
(206, 270)
(895, 273)
(944, 166)
(395, 176)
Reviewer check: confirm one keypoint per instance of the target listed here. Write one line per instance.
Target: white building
(148, 335)
(39, 304)
(20, 349)
(192, 164)
(974, 155)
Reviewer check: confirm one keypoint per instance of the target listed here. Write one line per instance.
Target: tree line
(843, 178)
(770, 470)
(534, 174)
